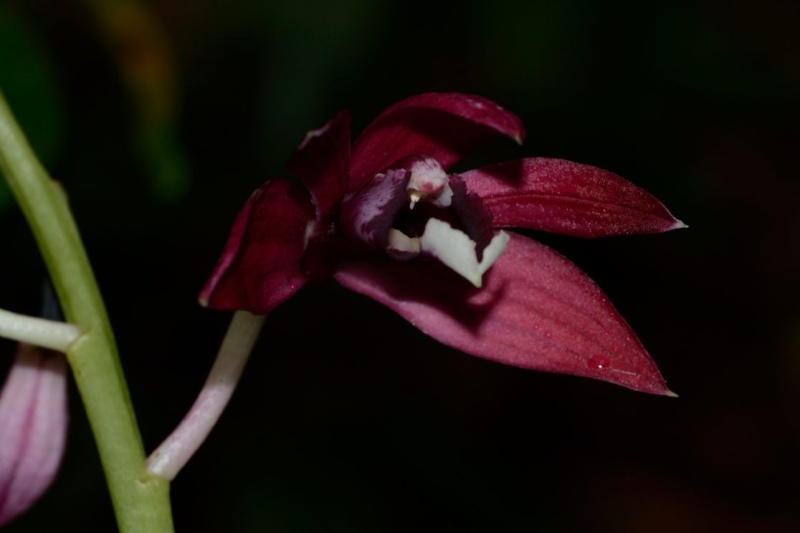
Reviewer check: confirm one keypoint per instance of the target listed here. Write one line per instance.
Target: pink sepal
(569, 198)
(536, 310)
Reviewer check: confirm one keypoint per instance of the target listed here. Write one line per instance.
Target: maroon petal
(536, 310)
(33, 428)
(260, 267)
(445, 126)
(321, 161)
(570, 198)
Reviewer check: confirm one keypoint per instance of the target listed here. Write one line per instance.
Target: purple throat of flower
(416, 210)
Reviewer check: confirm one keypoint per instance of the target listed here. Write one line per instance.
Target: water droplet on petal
(598, 362)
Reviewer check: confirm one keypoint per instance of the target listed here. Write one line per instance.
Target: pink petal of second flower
(322, 161)
(536, 310)
(445, 126)
(569, 198)
(260, 267)
(33, 428)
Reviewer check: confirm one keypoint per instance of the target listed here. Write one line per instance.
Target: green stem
(140, 500)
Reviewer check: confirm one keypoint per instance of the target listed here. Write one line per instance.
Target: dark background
(161, 117)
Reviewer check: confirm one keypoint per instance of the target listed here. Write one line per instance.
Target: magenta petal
(565, 197)
(536, 310)
(445, 126)
(260, 267)
(322, 160)
(33, 428)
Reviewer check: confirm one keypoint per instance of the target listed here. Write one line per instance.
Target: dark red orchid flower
(385, 219)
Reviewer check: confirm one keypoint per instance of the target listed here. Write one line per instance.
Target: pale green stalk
(37, 331)
(140, 500)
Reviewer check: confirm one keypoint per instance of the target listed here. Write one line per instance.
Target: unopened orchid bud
(33, 428)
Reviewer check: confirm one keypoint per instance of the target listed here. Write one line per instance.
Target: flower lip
(449, 224)
(454, 249)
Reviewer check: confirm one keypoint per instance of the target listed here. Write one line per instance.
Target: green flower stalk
(140, 500)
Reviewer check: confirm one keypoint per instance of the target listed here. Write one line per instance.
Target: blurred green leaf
(28, 82)
(306, 54)
(536, 49)
(164, 157)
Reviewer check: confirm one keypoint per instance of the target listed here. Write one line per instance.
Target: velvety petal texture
(568, 198)
(33, 428)
(261, 265)
(444, 126)
(536, 310)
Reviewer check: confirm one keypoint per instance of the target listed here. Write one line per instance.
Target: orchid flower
(33, 428)
(385, 218)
